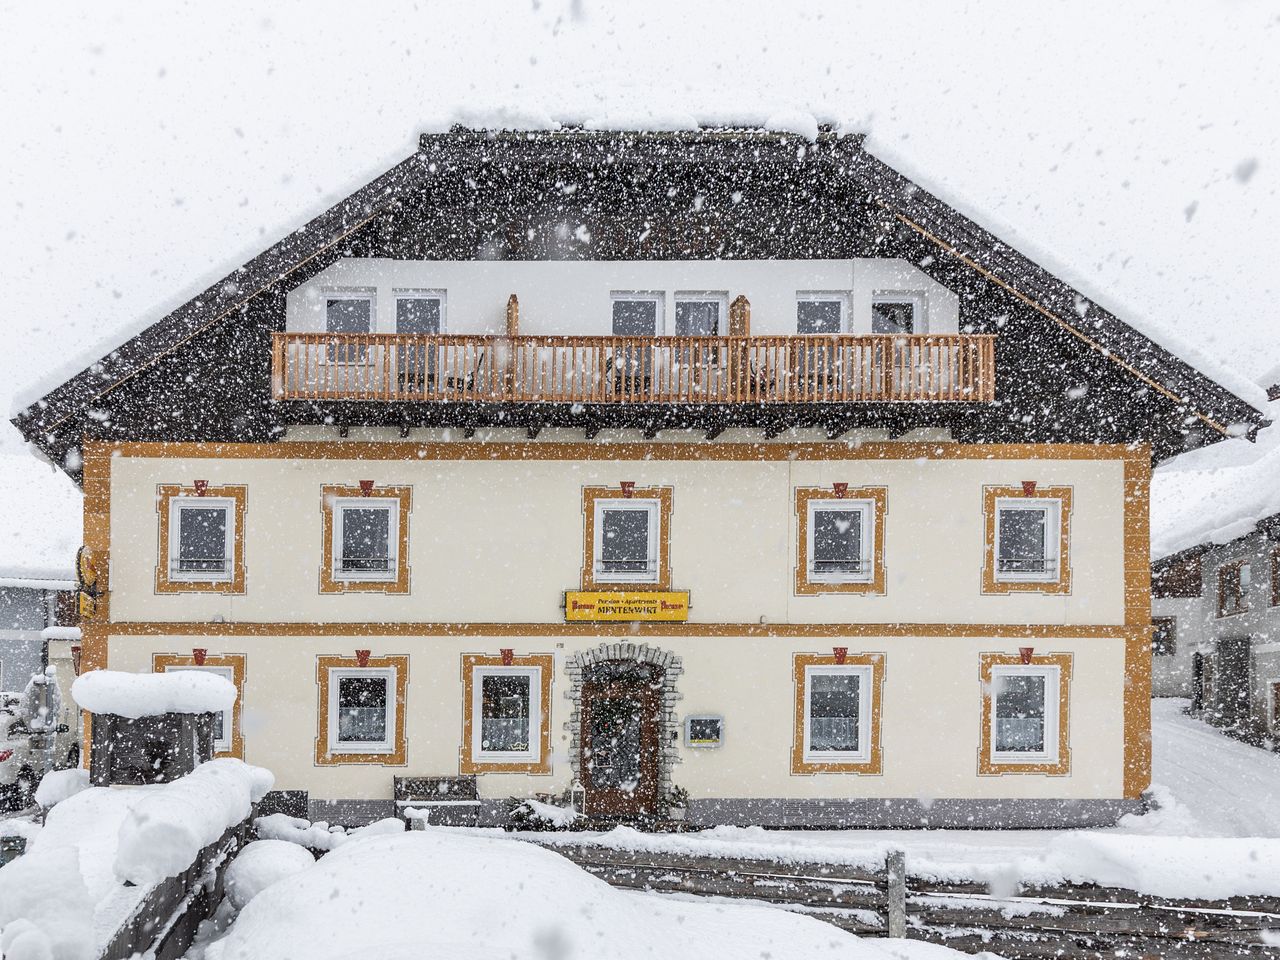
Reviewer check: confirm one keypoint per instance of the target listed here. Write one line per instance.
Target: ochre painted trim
(1137, 647)
(595, 450)
(1059, 767)
(331, 584)
(545, 662)
(161, 661)
(874, 764)
(993, 584)
(156, 628)
(397, 757)
(165, 495)
(806, 587)
(589, 497)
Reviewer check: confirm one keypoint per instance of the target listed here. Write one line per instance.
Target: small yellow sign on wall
(599, 605)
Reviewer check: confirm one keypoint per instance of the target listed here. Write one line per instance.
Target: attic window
(897, 313)
(348, 312)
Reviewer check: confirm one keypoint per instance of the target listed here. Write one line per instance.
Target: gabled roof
(893, 211)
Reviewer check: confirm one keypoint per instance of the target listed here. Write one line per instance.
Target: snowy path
(1230, 788)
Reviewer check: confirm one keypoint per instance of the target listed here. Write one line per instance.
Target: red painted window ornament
(841, 654)
(362, 658)
(366, 488)
(198, 654)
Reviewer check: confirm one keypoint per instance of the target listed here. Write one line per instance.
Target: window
(419, 312)
(228, 741)
(362, 702)
(703, 732)
(201, 539)
(1163, 637)
(894, 313)
(637, 314)
(838, 713)
(366, 539)
(627, 539)
(1024, 713)
(699, 314)
(840, 539)
(1234, 580)
(505, 722)
(348, 312)
(1275, 576)
(1027, 539)
(820, 313)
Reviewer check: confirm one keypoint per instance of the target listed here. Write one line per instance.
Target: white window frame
(919, 315)
(1052, 508)
(866, 687)
(183, 501)
(658, 297)
(1052, 708)
(703, 296)
(867, 509)
(823, 296)
(693, 744)
(352, 293)
(1273, 722)
(336, 746)
(534, 753)
(654, 509)
(220, 744)
(409, 293)
(392, 506)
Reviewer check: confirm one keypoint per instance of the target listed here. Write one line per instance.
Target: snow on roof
(40, 523)
(136, 695)
(1216, 493)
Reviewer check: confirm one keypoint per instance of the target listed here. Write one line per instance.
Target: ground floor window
(1024, 713)
(362, 704)
(506, 700)
(837, 713)
(227, 738)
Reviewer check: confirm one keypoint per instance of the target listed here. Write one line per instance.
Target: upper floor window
(897, 313)
(365, 539)
(1234, 580)
(201, 539)
(637, 314)
(1163, 636)
(1027, 539)
(841, 539)
(700, 314)
(420, 311)
(348, 312)
(628, 538)
(820, 313)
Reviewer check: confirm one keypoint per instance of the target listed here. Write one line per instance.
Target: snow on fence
(1065, 920)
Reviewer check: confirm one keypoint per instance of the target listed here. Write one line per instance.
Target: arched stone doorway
(624, 711)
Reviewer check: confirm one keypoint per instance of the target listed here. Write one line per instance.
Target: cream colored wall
(499, 541)
(573, 297)
(931, 714)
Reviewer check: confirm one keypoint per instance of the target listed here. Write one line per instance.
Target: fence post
(896, 894)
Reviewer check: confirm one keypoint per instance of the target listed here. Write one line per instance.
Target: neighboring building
(1216, 581)
(39, 534)
(724, 460)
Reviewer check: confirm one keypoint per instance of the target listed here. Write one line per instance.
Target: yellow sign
(671, 606)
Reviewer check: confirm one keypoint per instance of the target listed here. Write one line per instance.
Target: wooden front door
(621, 704)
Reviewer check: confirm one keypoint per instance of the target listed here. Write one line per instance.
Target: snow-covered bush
(319, 835)
(58, 785)
(261, 864)
(536, 815)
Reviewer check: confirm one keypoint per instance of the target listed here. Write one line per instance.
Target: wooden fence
(1068, 922)
(801, 369)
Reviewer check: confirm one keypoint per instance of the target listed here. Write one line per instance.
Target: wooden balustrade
(532, 369)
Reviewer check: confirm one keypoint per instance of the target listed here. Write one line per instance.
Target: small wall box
(703, 731)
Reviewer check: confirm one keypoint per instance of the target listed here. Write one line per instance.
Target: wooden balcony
(634, 370)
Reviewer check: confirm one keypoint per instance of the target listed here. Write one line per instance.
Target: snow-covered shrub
(58, 785)
(261, 864)
(536, 815)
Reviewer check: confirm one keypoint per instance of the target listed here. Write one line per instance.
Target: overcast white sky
(147, 149)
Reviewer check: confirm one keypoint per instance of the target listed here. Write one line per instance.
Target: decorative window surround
(539, 667)
(1057, 578)
(869, 758)
(594, 500)
(231, 665)
(1055, 760)
(329, 669)
(333, 580)
(170, 499)
(872, 500)
(668, 724)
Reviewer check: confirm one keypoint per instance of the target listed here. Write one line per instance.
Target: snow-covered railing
(631, 370)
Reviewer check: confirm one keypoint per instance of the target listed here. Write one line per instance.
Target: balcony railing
(524, 369)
